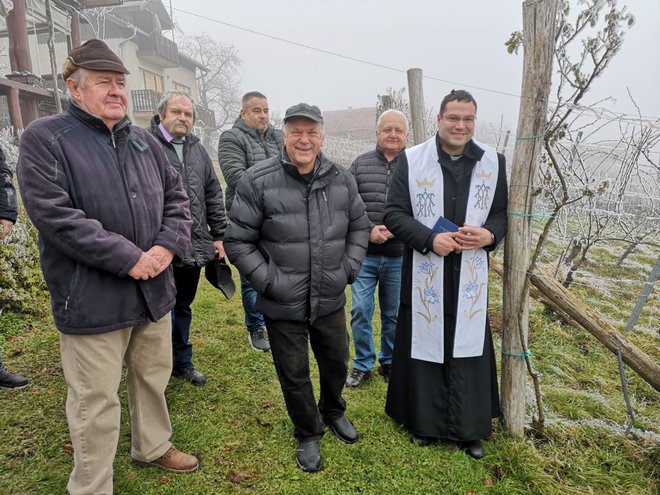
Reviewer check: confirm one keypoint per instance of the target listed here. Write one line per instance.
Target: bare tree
(586, 42)
(219, 85)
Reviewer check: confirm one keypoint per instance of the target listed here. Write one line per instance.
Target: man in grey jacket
(382, 265)
(251, 140)
(172, 126)
(298, 232)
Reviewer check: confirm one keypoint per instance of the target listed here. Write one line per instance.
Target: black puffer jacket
(8, 199)
(373, 173)
(240, 147)
(298, 243)
(205, 193)
(99, 200)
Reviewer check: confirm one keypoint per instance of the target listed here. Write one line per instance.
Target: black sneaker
(190, 374)
(12, 380)
(259, 340)
(384, 371)
(357, 378)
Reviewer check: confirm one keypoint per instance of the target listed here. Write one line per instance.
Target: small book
(444, 225)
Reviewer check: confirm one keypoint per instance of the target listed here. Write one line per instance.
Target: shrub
(22, 287)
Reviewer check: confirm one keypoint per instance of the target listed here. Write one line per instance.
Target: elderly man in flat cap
(298, 232)
(111, 213)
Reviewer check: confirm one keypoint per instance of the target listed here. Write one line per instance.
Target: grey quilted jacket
(240, 147)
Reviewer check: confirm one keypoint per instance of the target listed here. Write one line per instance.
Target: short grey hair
(79, 77)
(392, 111)
(161, 109)
(251, 94)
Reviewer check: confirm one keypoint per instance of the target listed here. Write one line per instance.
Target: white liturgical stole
(425, 181)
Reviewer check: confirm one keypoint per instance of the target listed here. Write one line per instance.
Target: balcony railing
(145, 100)
(159, 49)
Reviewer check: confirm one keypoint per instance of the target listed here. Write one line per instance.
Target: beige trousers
(92, 367)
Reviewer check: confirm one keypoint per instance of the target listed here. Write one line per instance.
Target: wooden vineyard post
(539, 23)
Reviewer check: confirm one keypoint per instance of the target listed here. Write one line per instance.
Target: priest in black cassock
(447, 203)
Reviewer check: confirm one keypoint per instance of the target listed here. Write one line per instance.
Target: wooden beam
(549, 291)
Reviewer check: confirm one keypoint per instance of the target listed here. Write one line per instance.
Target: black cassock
(455, 400)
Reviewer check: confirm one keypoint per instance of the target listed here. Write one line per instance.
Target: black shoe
(474, 448)
(384, 371)
(12, 380)
(357, 378)
(421, 441)
(308, 456)
(343, 429)
(259, 340)
(191, 375)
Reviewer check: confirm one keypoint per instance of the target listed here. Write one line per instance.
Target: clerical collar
(455, 158)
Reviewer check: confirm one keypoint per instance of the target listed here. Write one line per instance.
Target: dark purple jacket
(99, 199)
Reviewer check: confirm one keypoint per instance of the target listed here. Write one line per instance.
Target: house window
(181, 87)
(153, 81)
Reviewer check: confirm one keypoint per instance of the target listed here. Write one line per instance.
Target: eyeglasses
(455, 119)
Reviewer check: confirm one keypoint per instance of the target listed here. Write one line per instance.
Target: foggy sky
(457, 41)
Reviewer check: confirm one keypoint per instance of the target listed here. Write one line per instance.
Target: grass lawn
(238, 424)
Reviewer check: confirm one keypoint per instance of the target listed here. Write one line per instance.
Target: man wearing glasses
(447, 203)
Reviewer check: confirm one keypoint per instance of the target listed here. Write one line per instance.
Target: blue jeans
(384, 271)
(254, 320)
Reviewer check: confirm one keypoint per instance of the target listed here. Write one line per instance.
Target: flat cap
(311, 112)
(93, 55)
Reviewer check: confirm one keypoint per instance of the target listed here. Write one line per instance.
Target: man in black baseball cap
(303, 110)
(298, 232)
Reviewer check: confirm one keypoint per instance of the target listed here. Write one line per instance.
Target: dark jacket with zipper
(99, 200)
(297, 242)
(240, 148)
(8, 198)
(373, 174)
(201, 183)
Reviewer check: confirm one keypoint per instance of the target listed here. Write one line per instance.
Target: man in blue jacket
(111, 213)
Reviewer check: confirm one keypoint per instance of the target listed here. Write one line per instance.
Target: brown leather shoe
(173, 460)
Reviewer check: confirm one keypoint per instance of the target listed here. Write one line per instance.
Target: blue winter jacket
(99, 200)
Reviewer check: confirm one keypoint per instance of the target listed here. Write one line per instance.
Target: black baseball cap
(311, 112)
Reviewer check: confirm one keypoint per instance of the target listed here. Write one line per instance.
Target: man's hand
(379, 234)
(217, 245)
(146, 268)
(471, 238)
(5, 228)
(162, 256)
(444, 244)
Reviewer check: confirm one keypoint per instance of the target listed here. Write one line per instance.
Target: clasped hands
(379, 234)
(152, 263)
(467, 238)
